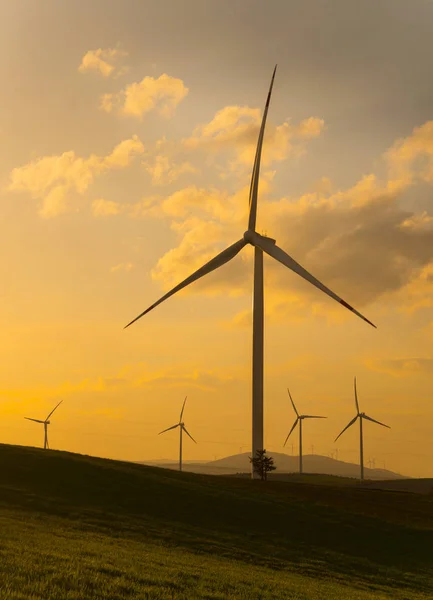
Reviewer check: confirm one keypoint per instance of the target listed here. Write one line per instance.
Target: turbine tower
(360, 416)
(45, 424)
(299, 419)
(261, 244)
(182, 427)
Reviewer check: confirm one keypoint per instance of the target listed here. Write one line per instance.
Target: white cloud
(125, 267)
(164, 171)
(52, 179)
(235, 129)
(103, 60)
(411, 158)
(105, 208)
(360, 242)
(136, 99)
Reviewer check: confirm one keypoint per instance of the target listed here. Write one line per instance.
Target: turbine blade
(254, 186)
(347, 427)
(210, 266)
(356, 397)
(374, 421)
(270, 248)
(188, 434)
(183, 407)
(35, 420)
(293, 404)
(312, 417)
(54, 410)
(293, 427)
(168, 428)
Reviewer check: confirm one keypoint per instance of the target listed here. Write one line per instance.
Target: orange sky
(126, 146)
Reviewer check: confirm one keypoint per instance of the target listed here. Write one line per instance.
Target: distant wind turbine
(299, 418)
(261, 244)
(182, 428)
(360, 416)
(45, 424)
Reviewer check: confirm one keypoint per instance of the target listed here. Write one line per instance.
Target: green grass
(75, 527)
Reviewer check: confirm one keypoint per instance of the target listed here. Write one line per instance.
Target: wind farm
(216, 283)
(262, 244)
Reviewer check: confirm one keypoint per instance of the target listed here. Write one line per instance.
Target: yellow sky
(126, 147)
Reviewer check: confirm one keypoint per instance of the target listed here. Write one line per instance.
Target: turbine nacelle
(252, 237)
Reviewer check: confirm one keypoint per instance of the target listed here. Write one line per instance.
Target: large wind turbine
(45, 424)
(182, 428)
(261, 244)
(299, 419)
(360, 416)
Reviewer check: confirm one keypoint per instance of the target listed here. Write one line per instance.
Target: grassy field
(75, 527)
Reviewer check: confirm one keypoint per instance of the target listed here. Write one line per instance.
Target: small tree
(262, 464)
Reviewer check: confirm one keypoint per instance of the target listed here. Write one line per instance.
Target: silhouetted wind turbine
(299, 418)
(45, 424)
(182, 427)
(261, 244)
(360, 416)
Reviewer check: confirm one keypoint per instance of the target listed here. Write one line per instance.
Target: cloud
(122, 154)
(137, 376)
(181, 375)
(402, 367)
(361, 242)
(136, 99)
(52, 179)
(418, 292)
(104, 208)
(418, 222)
(126, 267)
(411, 158)
(164, 171)
(235, 129)
(116, 414)
(103, 60)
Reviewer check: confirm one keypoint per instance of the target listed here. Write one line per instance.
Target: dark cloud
(361, 252)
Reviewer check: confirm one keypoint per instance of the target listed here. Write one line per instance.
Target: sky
(127, 136)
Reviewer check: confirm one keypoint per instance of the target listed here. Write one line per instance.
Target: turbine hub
(249, 236)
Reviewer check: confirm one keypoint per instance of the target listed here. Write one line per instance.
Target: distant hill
(312, 463)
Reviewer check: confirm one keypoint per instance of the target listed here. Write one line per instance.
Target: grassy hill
(79, 527)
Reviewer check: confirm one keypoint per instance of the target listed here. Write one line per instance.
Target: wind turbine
(299, 418)
(261, 244)
(45, 424)
(360, 416)
(182, 427)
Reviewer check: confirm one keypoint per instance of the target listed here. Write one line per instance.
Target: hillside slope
(93, 528)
